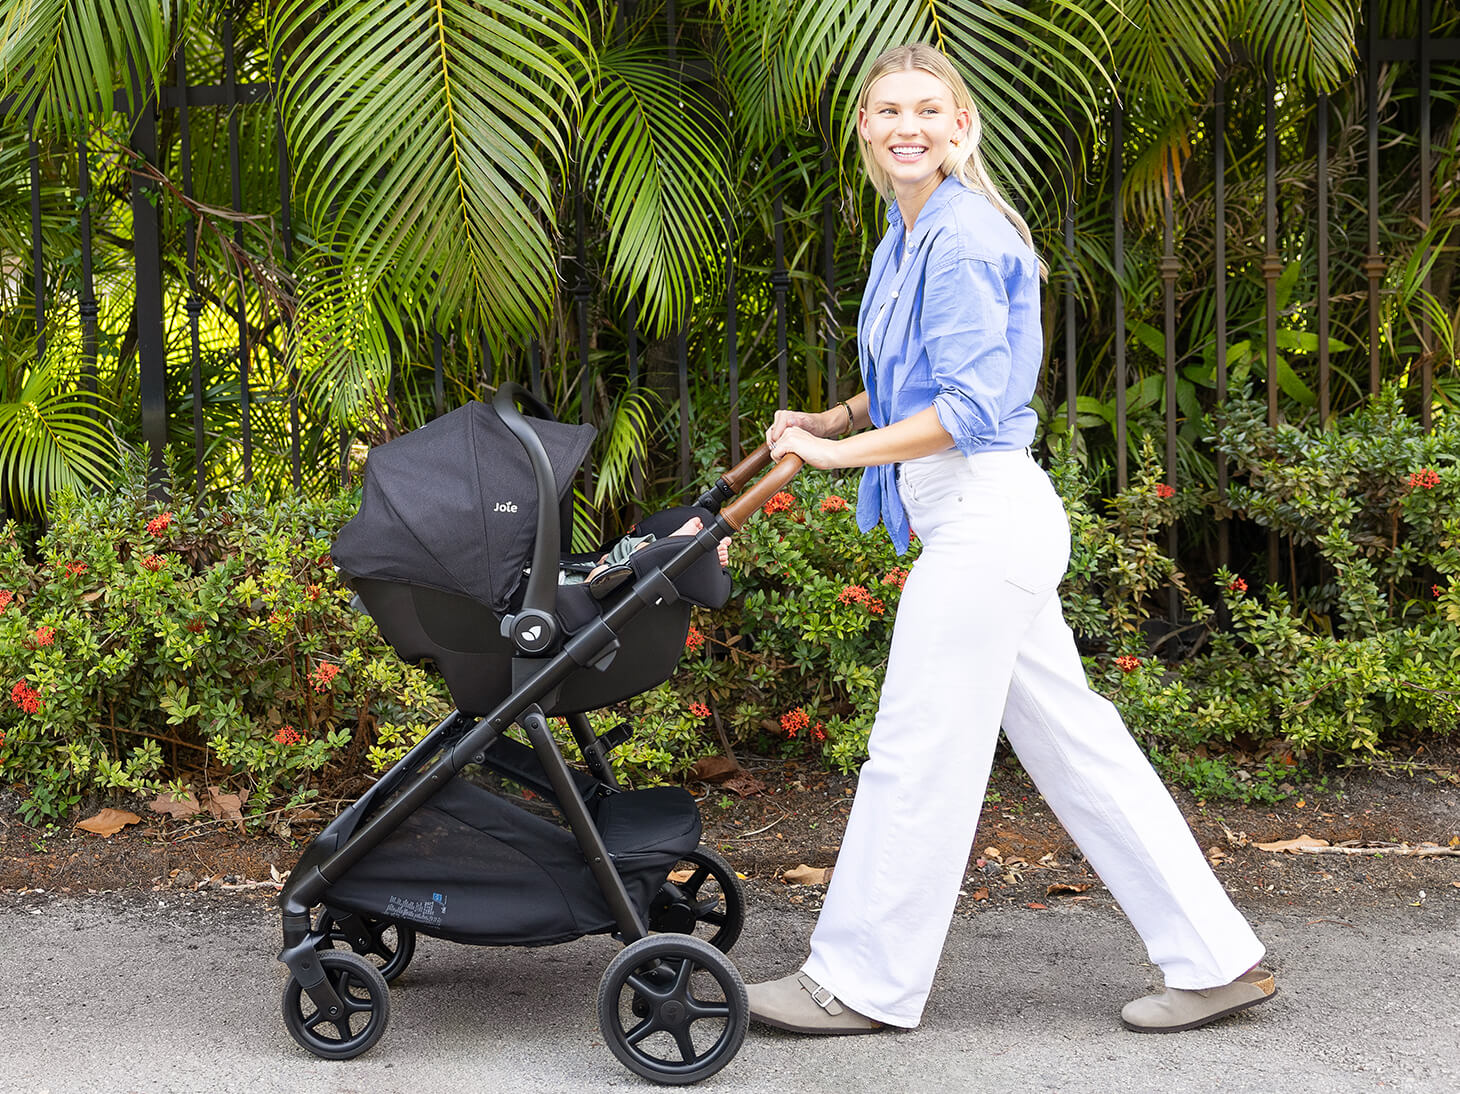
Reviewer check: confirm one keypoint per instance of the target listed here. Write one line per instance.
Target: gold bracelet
(851, 422)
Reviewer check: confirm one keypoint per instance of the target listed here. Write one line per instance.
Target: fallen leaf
(807, 875)
(744, 784)
(226, 806)
(93, 596)
(992, 852)
(679, 877)
(1293, 845)
(711, 769)
(176, 805)
(983, 894)
(1066, 887)
(109, 822)
(1038, 907)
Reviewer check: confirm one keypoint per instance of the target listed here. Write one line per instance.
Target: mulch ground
(1400, 822)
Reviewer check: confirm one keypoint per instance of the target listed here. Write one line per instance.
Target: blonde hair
(963, 160)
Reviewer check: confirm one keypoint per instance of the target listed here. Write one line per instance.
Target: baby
(619, 553)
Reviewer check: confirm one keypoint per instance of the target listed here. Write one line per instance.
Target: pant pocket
(1040, 543)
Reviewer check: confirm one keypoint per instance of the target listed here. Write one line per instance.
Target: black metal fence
(241, 83)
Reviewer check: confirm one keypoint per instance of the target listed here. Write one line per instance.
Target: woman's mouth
(907, 153)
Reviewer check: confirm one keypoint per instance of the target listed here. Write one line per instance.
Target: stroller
(455, 554)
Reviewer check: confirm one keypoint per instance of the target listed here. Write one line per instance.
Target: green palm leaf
(1311, 40)
(65, 60)
(49, 438)
(655, 157)
(1167, 53)
(339, 340)
(428, 138)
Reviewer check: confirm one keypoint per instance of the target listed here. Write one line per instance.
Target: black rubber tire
(363, 991)
(390, 957)
(654, 994)
(689, 907)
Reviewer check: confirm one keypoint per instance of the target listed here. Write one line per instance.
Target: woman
(949, 339)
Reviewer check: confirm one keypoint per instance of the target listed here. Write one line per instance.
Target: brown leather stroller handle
(740, 475)
(742, 508)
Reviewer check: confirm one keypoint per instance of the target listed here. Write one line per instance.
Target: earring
(955, 141)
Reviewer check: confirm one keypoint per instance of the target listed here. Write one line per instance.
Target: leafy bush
(144, 643)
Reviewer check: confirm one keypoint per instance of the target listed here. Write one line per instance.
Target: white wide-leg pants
(980, 641)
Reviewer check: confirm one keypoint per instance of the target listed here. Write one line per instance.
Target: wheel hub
(671, 1013)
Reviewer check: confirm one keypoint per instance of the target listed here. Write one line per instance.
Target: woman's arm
(921, 434)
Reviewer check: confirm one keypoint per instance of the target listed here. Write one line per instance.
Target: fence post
(147, 255)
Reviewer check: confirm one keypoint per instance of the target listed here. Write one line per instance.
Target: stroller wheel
(386, 944)
(707, 900)
(366, 1001)
(673, 1008)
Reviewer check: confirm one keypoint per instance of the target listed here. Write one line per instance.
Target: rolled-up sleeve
(965, 329)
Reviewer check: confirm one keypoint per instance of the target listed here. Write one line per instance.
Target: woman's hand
(814, 451)
(795, 419)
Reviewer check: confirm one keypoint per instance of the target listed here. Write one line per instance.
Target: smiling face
(909, 123)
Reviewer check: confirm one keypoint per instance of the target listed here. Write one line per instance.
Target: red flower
(1438, 590)
(1165, 490)
(1425, 478)
(159, 524)
(896, 577)
(280, 619)
(2, 738)
(323, 676)
(1127, 663)
(6, 596)
(25, 697)
(311, 592)
(45, 636)
(854, 594)
(818, 731)
(197, 626)
(833, 503)
(1236, 585)
(779, 503)
(153, 563)
(699, 710)
(74, 568)
(794, 720)
(875, 606)
(694, 640)
(287, 735)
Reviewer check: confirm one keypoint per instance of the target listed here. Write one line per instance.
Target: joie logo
(505, 507)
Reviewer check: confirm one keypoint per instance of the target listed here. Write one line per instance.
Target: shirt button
(894, 294)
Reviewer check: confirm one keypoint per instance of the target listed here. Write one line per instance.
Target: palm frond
(51, 437)
(1167, 53)
(65, 60)
(428, 138)
(624, 440)
(339, 341)
(1311, 40)
(654, 151)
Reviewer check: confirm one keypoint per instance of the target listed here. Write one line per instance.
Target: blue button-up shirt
(950, 319)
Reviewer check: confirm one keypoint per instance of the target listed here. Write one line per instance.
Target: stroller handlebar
(742, 508)
(739, 476)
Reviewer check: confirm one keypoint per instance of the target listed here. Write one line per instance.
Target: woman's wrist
(842, 423)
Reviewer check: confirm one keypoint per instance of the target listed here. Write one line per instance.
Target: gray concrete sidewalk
(181, 993)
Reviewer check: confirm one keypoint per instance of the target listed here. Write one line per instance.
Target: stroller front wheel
(365, 1012)
(673, 1009)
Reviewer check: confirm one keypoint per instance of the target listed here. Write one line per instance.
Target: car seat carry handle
(534, 628)
(742, 508)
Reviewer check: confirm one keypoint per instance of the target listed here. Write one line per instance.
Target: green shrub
(145, 643)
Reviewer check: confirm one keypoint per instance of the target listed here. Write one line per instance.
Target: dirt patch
(1021, 856)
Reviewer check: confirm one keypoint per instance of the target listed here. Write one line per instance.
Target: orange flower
(1237, 585)
(287, 735)
(324, 675)
(1127, 663)
(794, 720)
(833, 503)
(1165, 490)
(896, 578)
(159, 524)
(779, 503)
(153, 563)
(694, 640)
(854, 594)
(45, 636)
(699, 710)
(1426, 479)
(6, 596)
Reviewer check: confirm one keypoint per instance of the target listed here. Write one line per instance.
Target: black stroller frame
(650, 987)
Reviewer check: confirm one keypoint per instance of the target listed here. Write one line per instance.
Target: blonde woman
(949, 343)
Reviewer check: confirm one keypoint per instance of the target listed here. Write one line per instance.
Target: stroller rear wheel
(385, 943)
(364, 1015)
(702, 897)
(673, 1008)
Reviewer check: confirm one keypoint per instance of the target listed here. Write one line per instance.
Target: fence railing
(263, 395)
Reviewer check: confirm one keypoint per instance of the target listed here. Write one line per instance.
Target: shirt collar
(941, 196)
